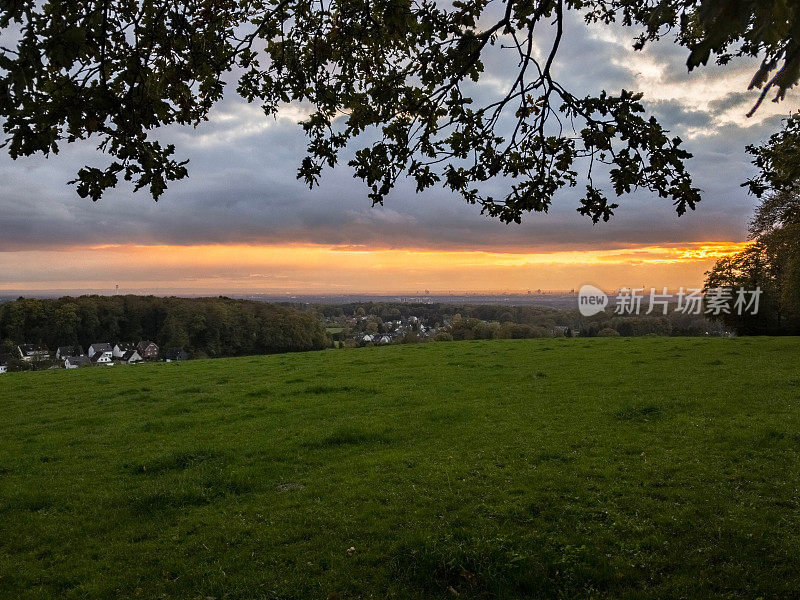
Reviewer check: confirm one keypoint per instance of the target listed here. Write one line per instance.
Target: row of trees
(437, 314)
(203, 326)
(475, 329)
(466, 322)
(673, 324)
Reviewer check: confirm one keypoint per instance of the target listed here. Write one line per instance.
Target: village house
(102, 358)
(4, 363)
(121, 348)
(147, 350)
(130, 357)
(175, 354)
(64, 351)
(73, 362)
(31, 352)
(101, 348)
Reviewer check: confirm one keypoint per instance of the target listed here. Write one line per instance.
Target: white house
(102, 358)
(102, 348)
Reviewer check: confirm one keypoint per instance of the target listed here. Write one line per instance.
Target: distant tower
(116, 290)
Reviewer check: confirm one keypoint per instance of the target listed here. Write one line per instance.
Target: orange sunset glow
(317, 268)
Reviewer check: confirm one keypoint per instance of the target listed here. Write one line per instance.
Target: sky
(242, 223)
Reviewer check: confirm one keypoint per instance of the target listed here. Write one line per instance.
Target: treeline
(673, 324)
(575, 325)
(461, 322)
(202, 326)
(475, 329)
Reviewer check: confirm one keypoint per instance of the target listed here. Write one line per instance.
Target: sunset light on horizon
(316, 268)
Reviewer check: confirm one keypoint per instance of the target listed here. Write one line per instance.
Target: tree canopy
(398, 71)
(778, 162)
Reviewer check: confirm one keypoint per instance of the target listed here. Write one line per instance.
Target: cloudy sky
(242, 222)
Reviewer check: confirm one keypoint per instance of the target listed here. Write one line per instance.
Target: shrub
(608, 332)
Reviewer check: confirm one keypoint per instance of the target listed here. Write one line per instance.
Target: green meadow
(549, 468)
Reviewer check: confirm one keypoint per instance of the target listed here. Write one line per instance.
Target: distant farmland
(552, 468)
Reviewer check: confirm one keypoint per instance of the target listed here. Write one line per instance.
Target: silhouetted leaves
(115, 71)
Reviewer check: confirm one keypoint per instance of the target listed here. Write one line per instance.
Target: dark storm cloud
(242, 185)
(739, 100)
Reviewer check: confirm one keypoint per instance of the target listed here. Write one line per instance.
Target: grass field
(573, 468)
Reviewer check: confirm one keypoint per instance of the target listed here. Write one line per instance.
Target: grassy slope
(645, 468)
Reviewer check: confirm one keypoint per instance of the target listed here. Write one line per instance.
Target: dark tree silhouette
(116, 70)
